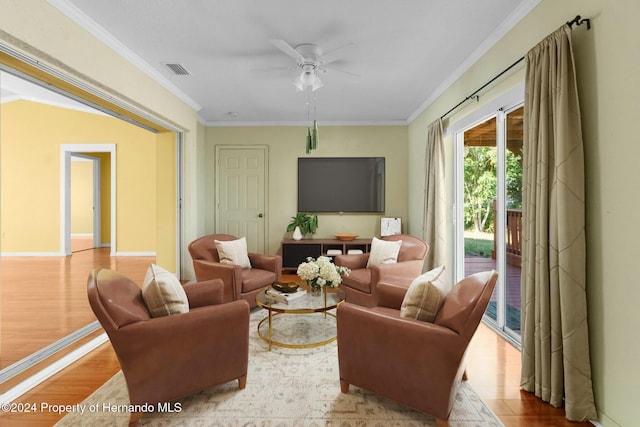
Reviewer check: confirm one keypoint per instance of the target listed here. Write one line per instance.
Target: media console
(295, 252)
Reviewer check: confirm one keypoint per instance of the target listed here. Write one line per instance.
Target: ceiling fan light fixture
(307, 78)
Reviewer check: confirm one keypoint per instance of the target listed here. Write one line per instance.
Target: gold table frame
(297, 306)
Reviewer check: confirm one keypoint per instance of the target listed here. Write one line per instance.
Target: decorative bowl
(285, 286)
(346, 236)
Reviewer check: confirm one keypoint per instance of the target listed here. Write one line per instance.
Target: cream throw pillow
(383, 252)
(425, 295)
(233, 252)
(162, 293)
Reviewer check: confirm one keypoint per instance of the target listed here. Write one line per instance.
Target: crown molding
(501, 30)
(306, 123)
(77, 16)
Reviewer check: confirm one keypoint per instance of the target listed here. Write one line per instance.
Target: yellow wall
(608, 66)
(81, 203)
(287, 143)
(31, 137)
(40, 31)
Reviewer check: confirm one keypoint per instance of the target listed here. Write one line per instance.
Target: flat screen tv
(341, 184)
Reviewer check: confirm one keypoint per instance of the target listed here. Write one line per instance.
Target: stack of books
(275, 296)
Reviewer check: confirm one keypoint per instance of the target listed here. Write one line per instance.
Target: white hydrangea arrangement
(322, 272)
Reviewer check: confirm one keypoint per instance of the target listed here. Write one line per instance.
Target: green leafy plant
(307, 222)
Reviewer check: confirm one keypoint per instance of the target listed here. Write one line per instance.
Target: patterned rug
(285, 387)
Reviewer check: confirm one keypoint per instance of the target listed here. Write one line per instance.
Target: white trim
(41, 376)
(306, 123)
(458, 206)
(134, 254)
(66, 151)
(7, 99)
(33, 254)
(97, 204)
(77, 16)
(179, 196)
(501, 30)
(501, 217)
(81, 234)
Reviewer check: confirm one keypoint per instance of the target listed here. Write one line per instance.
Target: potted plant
(302, 224)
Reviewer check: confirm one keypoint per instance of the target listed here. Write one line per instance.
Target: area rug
(285, 387)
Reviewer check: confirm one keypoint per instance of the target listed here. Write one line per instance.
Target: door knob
(260, 215)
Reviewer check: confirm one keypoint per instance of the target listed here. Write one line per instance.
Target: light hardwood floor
(44, 299)
(493, 365)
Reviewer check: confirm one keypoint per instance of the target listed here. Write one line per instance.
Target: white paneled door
(241, 194)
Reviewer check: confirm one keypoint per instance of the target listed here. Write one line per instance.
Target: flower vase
(297, 234)
(315, 290)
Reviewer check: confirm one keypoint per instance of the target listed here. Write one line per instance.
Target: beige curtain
(555, 343)
(434, 222)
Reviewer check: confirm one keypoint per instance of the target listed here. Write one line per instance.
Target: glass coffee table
(304, 322)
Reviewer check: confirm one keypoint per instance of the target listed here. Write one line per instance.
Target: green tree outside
(480, 186)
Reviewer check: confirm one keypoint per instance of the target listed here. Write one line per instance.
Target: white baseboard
(32, 254)
(134, 254)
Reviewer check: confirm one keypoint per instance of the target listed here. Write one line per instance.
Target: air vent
(177, 69)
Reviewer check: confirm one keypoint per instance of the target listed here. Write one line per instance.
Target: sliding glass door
(489, 210)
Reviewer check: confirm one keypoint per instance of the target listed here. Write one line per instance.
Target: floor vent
(177, 69)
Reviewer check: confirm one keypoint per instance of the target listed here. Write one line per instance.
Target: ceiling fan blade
(340, 71)
(268, 70)
(286, 48)
(335, 54)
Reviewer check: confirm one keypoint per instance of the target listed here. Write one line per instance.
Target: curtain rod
(578, 20)
(475, 94)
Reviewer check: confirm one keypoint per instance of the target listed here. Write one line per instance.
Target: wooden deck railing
(513, 236)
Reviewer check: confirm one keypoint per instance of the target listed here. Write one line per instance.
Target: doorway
(95, 153)
(241, 193)
(489, 210)
(85, 228)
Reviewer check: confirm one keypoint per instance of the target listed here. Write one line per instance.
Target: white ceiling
(406, 52)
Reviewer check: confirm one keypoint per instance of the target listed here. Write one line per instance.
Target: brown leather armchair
(415, 363)
(167, 358)
(239, 283)
(360, 285)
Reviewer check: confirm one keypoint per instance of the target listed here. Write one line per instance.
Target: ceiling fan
(311, 61)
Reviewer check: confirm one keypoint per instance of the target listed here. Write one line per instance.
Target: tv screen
(341, 184)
